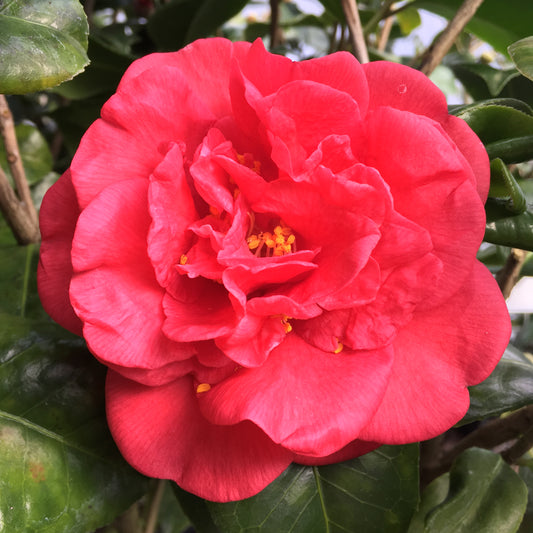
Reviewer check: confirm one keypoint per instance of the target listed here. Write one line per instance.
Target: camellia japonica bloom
(276, 260)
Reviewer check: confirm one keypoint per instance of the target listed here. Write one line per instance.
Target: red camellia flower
(276, 261)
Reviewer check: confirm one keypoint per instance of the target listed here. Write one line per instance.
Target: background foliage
(59, 469)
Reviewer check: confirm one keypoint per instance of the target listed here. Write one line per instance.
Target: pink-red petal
(58, 216)
(436, 356)
(162, 433)
(307, 400)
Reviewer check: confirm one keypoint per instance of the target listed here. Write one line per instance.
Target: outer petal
(114, 290)
(437, 356)
(307, 400)
(58, 216)
(405, 89)
(161, 432)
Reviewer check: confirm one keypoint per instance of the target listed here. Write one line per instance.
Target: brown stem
(385, 33)
(381, 13)
(274, 24)
(510, 272)
(19, 212)
(155, 504)
(489, 435)
(442, 45)
(16, 215)
(356, 30)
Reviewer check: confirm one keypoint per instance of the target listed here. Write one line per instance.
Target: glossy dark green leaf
(51, 36)
(171, 518)
(375, 493)
(179, 22)
(504, 185)
(526, 473)
(507, 229)
(495, 120)
(499, 25)
(211, 15)
(59, 468)
(515, 150)
(484, 495)
(34, 151)
(521, 53)
(509, 387)
(101, 77)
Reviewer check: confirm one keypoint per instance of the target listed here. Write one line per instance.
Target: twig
(155, 504)
(442, 45)
(385, 33)
(381, 13)
(16, 215)
(356, 30)
(490, 435)
(508, 275)
(7, 130)
(19, 212)
(274, 24)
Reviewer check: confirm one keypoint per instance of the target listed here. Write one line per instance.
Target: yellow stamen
(285, 323)
(339, 347)
(183, 259)
(203, 387)
(281, 242)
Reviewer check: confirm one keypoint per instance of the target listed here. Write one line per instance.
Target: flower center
(265, 244)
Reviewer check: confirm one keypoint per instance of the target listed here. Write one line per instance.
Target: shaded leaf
(504, 185)
(377, 492)
(521, 53)
(480, 80)
(526, 473)
(484, 494)
(51, 36)
(59, 468)
(34, 151)
(509, 387)
(179, 22)
(100, 77)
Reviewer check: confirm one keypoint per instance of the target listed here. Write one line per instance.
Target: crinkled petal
(172, 209)
(436, 356)
(114, 290)
(321, 399)
(162, 433)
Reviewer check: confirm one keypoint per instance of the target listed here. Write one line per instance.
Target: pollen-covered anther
(339, 347)
(285, 323)
(183, 259)
(265, 244)
(203, 387)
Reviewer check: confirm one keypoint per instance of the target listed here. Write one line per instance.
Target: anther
(203, 387)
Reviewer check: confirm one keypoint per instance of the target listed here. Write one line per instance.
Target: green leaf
(495, 120)
(515, 150)
(507, 229)
(526, 473)
(408, 19)
(374, 493)
(504, 185)
(480, 80)
(210, 15)
(34, 151)
(521, 53)
(499, 25)
(484, 494)
(509, 387)
(179, 22)
(51, 36)
(59, 468)
(102, 76)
